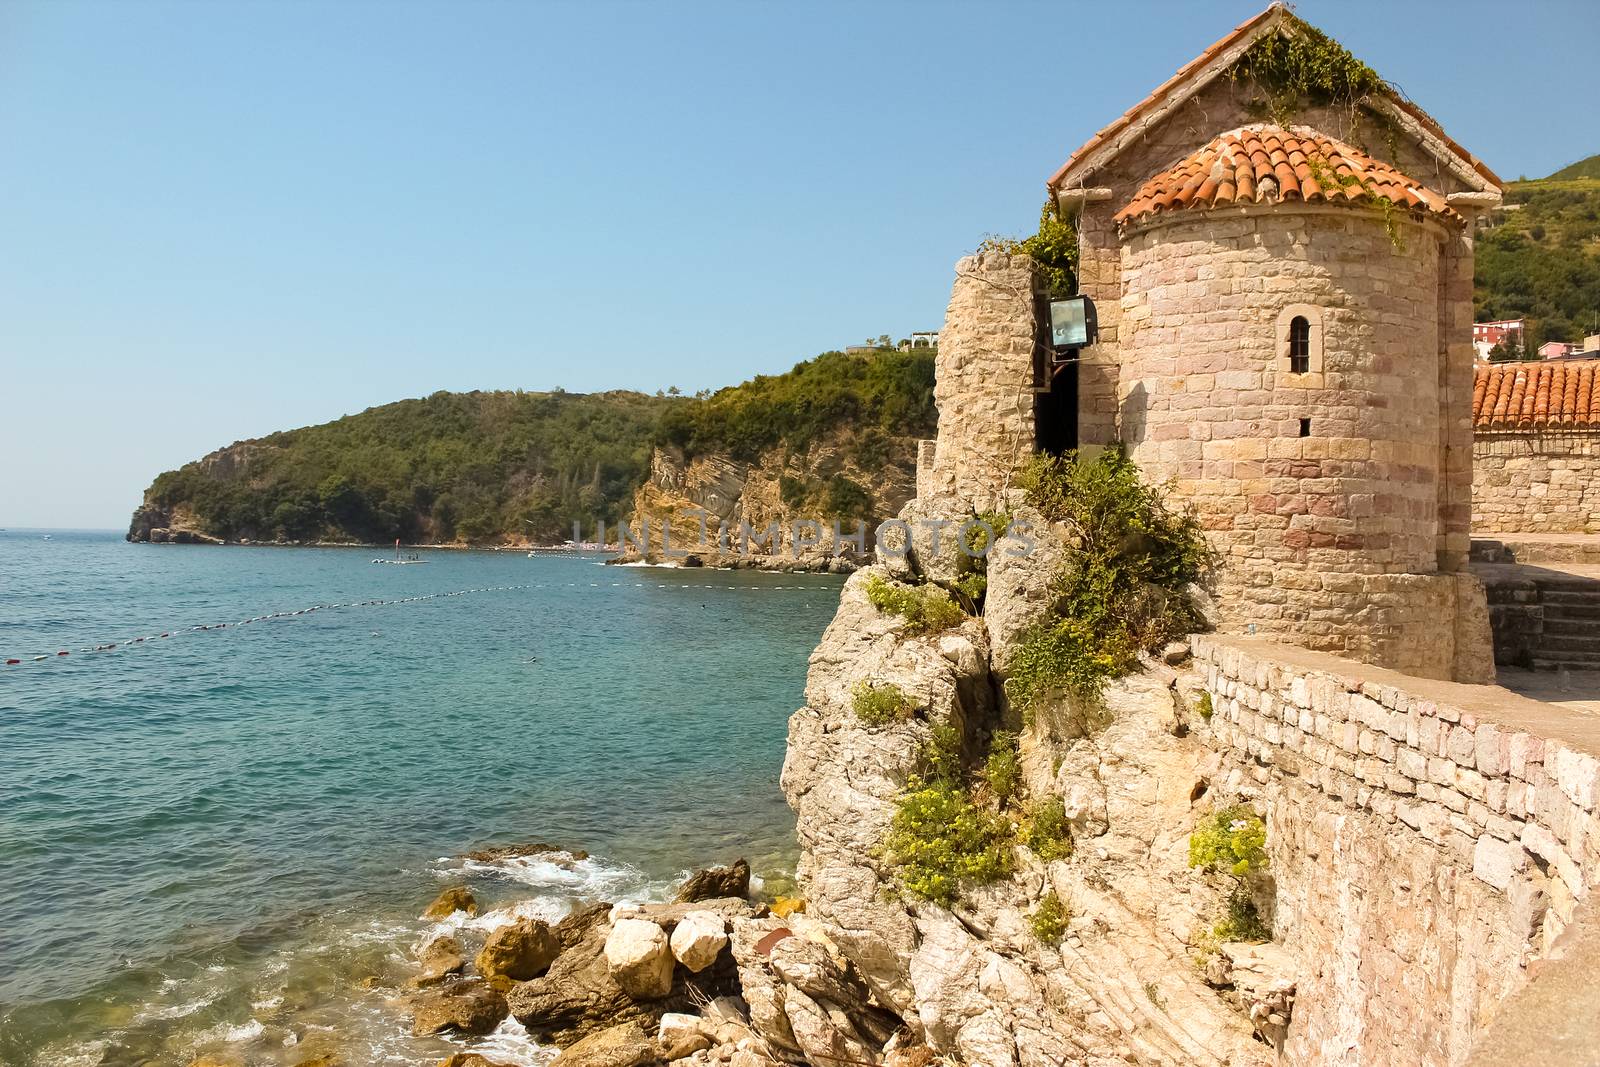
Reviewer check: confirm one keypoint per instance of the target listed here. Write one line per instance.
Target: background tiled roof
(1263, 164)
(1558, 394)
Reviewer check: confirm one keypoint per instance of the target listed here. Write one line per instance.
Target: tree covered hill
(1540, 257)
(490, 467)
(1584, 168)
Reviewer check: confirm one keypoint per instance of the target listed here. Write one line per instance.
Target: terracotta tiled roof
(1200, 70)
(1267, 164)
(1553, 395)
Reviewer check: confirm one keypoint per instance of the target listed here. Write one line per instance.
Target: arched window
(1299, 345)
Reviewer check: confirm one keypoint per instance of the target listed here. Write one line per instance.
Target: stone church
(1285, 337)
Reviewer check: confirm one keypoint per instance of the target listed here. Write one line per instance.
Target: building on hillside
(1536, 447)
(1485, 335)
(1285, 336)
(920, 339)
(1557, 350)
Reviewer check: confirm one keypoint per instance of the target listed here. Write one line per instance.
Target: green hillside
(1584, 168)
(486, 467)
(1540, 258)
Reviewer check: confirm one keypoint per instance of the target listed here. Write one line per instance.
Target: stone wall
(1227, 104)
(1536, 483)
(1321, 490)
(985, 374)
(1427, 840)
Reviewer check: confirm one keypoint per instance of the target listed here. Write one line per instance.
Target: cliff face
(720, 509)
(974, 979)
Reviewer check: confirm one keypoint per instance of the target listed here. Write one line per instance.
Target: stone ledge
(1498, 779)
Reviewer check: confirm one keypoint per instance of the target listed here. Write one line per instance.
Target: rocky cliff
(975, 979)
(719, 510)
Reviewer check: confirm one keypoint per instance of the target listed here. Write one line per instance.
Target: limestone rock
(468, 1007)
(714, 882)
(927, 547)
(697, 940)
(686, 1047)
(1020, 569)
(640, 958)
(619, 1046)
(470, 1059)
(455, 898)
(520, 951)
(441, 958)
(675, 1026)
(577, 995)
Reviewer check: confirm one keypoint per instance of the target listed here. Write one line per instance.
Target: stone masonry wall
(1536, 483)
(1227, 104)
(1427, 840)
(984, 379)
(1331, 539)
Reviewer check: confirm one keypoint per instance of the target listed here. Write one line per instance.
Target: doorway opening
(1055, 408)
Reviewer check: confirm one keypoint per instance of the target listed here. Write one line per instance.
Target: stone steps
(1569, 644)
(1589, 612)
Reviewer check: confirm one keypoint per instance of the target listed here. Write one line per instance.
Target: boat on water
(397, 560)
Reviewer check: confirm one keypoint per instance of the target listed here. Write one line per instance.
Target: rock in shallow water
(521, 951)
(468, 1007)
(455, 898)
(714, 882)
(442, 958)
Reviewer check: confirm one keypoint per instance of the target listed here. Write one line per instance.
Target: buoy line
(112, 646)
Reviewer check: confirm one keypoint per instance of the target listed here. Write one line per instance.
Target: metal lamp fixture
(1072, 322)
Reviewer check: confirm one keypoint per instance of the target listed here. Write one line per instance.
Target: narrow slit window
(1305, 427)
(1299, 345)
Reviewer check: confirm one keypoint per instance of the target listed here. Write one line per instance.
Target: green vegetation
(880, 704)
(493, 466)
(473, 466)
(1049, 833)
(1306, 66)
(1202, 705)
(1125, 584)
(1242, 920)
(1049, 919)
(941, 839)
(1053, 249)
(884, 395)
(1540, 260)
(926, 609)
(1233, 842)
(1584, 168)
(1003, 770)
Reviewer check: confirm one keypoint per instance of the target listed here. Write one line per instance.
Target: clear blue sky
(223, 219)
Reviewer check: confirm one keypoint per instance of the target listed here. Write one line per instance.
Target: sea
(231, 778)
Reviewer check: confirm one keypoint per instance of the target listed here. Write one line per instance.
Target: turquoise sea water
(222, 837)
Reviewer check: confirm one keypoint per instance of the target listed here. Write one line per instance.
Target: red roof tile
(1268, 164)
(1553, 395)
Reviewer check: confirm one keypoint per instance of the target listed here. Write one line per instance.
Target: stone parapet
(1428, 839)
(1505, 783)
